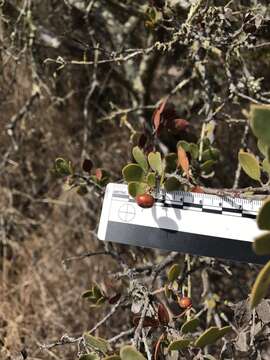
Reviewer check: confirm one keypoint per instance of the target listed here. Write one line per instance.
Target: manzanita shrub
(185, 169)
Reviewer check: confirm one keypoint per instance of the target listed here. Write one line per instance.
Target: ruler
(186, 222)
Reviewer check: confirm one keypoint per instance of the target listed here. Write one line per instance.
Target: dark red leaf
(197, 189)
(163, 314)
(87, 165)
(142, 141)
(113, 300)
(147, 322)
(180, 124)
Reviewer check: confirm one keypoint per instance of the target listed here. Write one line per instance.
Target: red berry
(185, 302)
(145, 201)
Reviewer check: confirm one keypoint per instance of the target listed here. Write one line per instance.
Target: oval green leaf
(261, 244)
(266, 166)
(112, 357)
(97, 343)
(174, 272)
(263, 217)
(180, 344)
(170, 162)
(140, 158)
(151, 179)
(207, 166)
(190, 326)
(155, 161)
(194, 151)
(133, 172)
(260, 122)
(250, 165)
(260, 286)
(172, 184)
(262, 147)
(137, 188)
(129, 352)
(211, 335)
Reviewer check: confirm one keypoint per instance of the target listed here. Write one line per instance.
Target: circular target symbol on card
(126, 212)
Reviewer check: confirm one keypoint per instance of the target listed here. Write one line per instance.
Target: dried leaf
(147, 321)
(163, 314)
(197, 189)
(157, 114)
(183, 161)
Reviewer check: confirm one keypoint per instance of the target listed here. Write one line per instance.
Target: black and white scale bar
(199, 224)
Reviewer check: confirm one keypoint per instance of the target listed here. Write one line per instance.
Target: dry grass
(41, 225)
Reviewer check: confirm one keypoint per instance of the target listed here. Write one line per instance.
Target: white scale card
(193, 223)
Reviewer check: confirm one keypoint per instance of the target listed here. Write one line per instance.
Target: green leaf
(137, 188)
(207, 166)
(133, 172)
(262, 147)
(260, 122)
(100, 301)
(140, 158)
(260, 286)
(261, 244)
(170, 162)
(266, 166)
(190, 326)
(263, 217)
(62, 167)
(206, 155)
(250, 165)
(87, 294)
(184, 144)
(180, 344)
(91, 356)
(96, 291)
(215, 153)
(129, 352)
(151, 179)
(211, 335)
(174, 272)
(154, 159)
(96, 343)
(194, 151)
(172, 184)
(112, 357)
